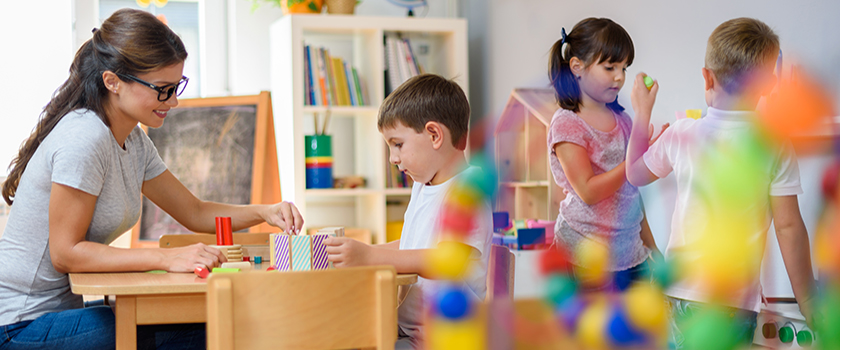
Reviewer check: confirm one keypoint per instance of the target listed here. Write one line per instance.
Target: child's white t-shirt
(420, 231)
(680, 150)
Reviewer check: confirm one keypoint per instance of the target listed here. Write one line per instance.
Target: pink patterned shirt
(615, 220)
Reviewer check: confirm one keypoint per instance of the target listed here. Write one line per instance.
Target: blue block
(320, 178)
(526, 236)
(501, 220)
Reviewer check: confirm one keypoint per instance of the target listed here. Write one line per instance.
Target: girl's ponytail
(566, 86)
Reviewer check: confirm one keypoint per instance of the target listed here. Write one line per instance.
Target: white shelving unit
(358, 148)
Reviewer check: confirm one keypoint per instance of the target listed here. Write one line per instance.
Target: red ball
(554, 260)
(457, 219)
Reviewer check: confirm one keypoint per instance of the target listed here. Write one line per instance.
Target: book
(334, 100)
(393, 69)
(323, 89)
(314, 70)
(308, 94)
(341, 84)
(413, 61)
(357, 91)
(349, 78)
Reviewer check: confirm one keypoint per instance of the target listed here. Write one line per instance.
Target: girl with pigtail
(76, 185)
(587, 147)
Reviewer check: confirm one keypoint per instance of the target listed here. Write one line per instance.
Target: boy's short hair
(424, 98)
(737, 48)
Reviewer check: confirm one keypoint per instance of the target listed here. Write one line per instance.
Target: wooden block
(301, 253)
(280, 251)
(336, 231)
(242, 265)
(359, 234)
(320, 254)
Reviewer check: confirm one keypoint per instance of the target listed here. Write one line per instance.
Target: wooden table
(143, 298)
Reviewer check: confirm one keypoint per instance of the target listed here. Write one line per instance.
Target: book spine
(349, 77)
(339, 76)
(314, 69)
(331, 79)
(308, 96)
(309, 67)
(323, 79)
(357, 86)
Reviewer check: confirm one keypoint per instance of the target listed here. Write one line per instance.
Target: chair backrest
(329, 309)
(176, 241)
(500, 273)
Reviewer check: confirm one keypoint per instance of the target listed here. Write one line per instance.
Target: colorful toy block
(320, 253)
(301, 253)
(280, 251)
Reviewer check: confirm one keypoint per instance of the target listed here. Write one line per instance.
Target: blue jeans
(620, 280)
(93, 327)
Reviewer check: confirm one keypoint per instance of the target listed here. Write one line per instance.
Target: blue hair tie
(564, 38)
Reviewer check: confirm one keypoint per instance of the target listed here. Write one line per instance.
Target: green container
(317, 146)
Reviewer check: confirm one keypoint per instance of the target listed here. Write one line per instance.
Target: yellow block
(394, 230)
(693, 113)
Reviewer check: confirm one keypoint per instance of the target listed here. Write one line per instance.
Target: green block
(648, 82)
(224, 270)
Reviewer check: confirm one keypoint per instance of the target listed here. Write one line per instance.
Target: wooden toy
(281, 255)
(320, 253)
(301, 253)
(242, 265)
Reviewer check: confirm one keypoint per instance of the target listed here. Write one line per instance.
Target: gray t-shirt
(81, 153)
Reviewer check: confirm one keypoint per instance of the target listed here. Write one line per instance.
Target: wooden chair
(176, 241)
(329, 309)
(500, 273)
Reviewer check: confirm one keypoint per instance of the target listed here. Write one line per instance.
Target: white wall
(36, 56)
(669, 37)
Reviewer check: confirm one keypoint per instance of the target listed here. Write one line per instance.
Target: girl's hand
(651, 130)
(642, 98)
(185, 259)
(285, 216)
(346, 252)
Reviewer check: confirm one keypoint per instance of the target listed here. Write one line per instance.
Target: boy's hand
(643, 99)
(346, 252)
(652, 129)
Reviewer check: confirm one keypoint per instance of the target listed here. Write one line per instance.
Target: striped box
(320, 254)
(301, 253)
(279, 248)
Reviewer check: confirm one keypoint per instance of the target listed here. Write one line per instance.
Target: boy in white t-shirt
(731, 184)
(424, 122)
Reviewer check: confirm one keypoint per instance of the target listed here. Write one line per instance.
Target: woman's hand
(346, 252)
(185, 259)
(285, 216)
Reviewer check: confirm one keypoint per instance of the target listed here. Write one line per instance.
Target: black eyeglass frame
(160, 89)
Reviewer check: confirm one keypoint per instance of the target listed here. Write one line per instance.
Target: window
(182, 18)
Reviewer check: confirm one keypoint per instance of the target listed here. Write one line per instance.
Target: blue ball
(453, 303)
(621, 332)
(569, 311)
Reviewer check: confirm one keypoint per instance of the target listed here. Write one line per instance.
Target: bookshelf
(358, 148)
(526, 187)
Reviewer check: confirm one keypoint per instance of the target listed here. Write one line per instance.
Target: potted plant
(292, 6)
(342, 6)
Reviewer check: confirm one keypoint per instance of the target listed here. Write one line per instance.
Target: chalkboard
(222, 150)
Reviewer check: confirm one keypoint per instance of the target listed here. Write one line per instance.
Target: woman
(76, 186)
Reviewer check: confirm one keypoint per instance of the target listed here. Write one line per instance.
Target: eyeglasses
(167, 90)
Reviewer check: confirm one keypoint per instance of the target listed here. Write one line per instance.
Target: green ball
(648, 82)
(560, 287)
(709, 329)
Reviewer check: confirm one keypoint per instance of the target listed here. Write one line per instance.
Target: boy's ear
(435, 134)
(576, 66)
(709, 77)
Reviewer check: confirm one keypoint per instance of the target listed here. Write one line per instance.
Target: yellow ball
(464, 335)
(449, 260)
(160, 3)
(464, 196)
(143, 3)
(725, 262)
(592, 257)
(645, 308)
(590, 329)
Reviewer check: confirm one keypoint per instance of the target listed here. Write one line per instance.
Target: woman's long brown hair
(129, 42)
